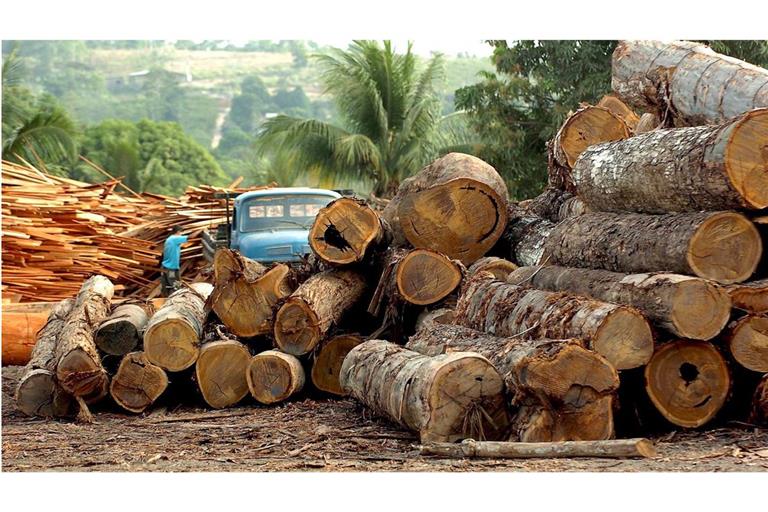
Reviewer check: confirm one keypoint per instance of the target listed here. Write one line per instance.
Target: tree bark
(122, 331)
(701, 244)
(686, 82)
(427, 319)
(619, 333)
(274, 376)
(307, 315)
(499, 267)
(172, 336)
(747, 340)
(759, 414)
(751, 297)
(719, 167)
(245, 292)
(38, 393)
(79, 369)
(587, 126)
(457, 205)
(687, 306)
(443, 398)
(347, 231)
(615, 448)
(688, 382)
(220, 372)
(571, 207)
(525, 237)
(137, 383)
(328, 360)
(424, 277)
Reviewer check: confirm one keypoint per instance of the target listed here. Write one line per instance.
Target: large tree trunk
(347, 231)
(424, 277)
(701, 244)
(710, 168)
(587, 126)
(619, 333)
(122, 331)
(220, 372)
(79, 369)
(274, 376)
(138, 383)
(172, 336)
(687, 306)
(457, 205)
(305, 318)
(328, 360)
(688, 382)
(751, 297)
(747, 340)
(443, 398)
(686, 81)
(245, 292)
(38, 393)
(547, 375)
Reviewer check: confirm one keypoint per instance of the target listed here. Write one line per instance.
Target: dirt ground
(308, 435)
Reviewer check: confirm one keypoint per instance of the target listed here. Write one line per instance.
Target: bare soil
(306, 435)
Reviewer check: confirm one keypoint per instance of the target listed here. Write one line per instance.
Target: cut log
(546, 205)
(525, 237)
(751, 297)
(687, 306)
(427, 319)
(700, 244)
(122, 331)
(587, 126)
(21, 323)
(619, 333)
(457, 205)
(137, 383)
(327, 363)
(245, 292)
(621, 109)
(38, 393)
(425, 277)
(220, 372)
(747, 340)
(688, 81)
(499, 267)
(759, 414)
(172, 336)
(305, 318)
(572, 207)
(444, 398)
(79, 369)
(719, 167)
(648, 122)
(688, 382)
(347, 231)
(614, 448)
(274, 376)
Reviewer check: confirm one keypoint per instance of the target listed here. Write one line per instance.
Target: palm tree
(391, 122)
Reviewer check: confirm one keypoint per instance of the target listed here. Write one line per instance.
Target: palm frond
(48, 135)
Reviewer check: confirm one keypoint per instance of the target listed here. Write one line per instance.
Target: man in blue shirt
(170, 278)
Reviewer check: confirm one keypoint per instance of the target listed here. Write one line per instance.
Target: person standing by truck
(170, 278)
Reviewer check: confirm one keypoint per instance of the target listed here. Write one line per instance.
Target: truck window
(294, 211)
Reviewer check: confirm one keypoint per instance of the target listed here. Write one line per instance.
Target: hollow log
(620, 109)
(346, 231)
(274, 376)
(172, 336)
(38, 393)
(587, 126)
(457, 205)
(220, 371)
(700, 244)
(245, 292)
(122, 331)
(308, 314)
(79, 369)
(720, 167)
(619, 333)
(747, 340)
(499, 267)
(751, 296)
(138, 383)
(424, 277)
(444, 398)
(614, 448)
(759, 414)
(687, 306)
(687, 81)
(688, 382)
(328, 360)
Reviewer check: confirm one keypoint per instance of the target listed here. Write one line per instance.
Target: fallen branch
(470, 448)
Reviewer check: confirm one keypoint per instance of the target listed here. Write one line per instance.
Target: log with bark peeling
(751, 296)
(138, 383)
(621, 334)
(444, 398)
(525, 238)
(718, 167)
(220, 372)
(614, 448)
(747, 341)
(122, 331)
(687, 306)
(274, 376)
(328, 360)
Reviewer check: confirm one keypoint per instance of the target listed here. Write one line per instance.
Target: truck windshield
(294, 211)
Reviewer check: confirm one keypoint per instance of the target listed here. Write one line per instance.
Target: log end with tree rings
(751, 297)
(747, 340)
(39, 394)
(344, 230)
(327, 364)
(425, 277)
(274, 376)
(221, 372)
(137, 383)
(591, 422)
(121, 332)
(624, 338)
(499, 267)
(688, 382)
(297, 329)
(173, 344)
(726, 248)
(619, 108)
(588, 126)
(81, 376)
(746, 158)
(700, 309)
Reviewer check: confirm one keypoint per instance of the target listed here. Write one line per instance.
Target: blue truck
(270, 225)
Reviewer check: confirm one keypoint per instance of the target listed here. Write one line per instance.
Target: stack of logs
(618, 298)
